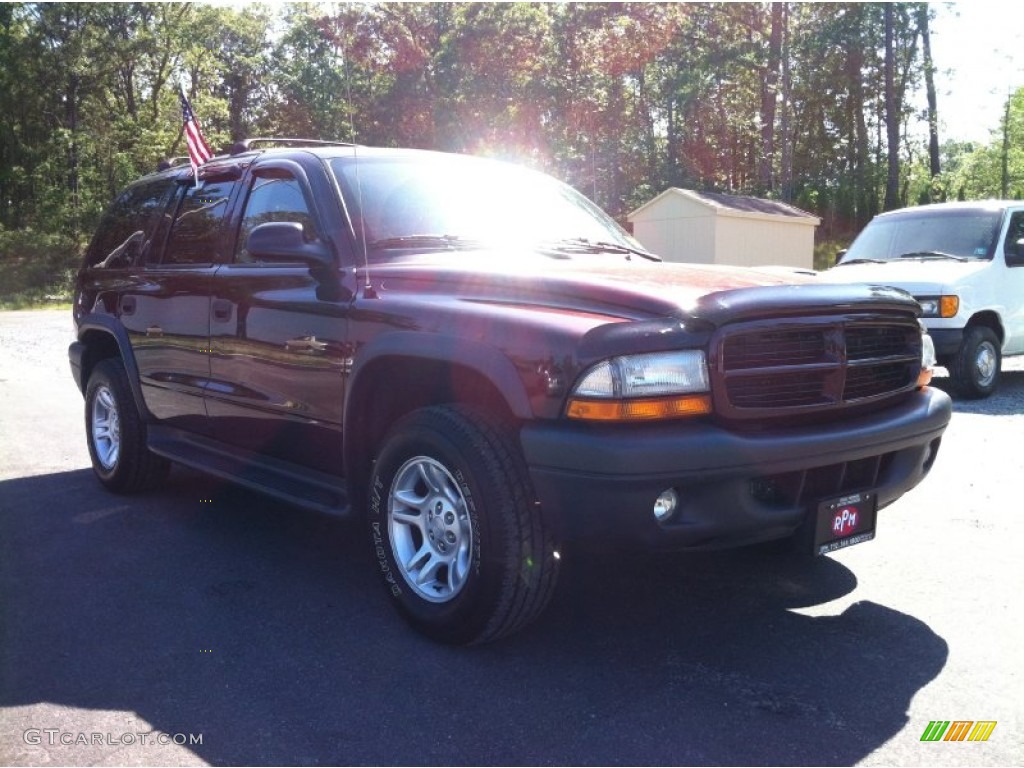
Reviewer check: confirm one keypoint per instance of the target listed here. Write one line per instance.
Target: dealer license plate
(844, 522)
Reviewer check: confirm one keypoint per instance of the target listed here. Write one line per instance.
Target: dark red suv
(482, 365)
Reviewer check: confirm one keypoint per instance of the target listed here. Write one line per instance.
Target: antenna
(368, 291)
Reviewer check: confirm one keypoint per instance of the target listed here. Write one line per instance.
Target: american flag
(198, 150)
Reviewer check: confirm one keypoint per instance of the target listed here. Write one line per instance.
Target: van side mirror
(1015, 253)
(285, 241)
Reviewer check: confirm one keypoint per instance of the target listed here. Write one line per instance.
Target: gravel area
(38, 338)
(1008, 399)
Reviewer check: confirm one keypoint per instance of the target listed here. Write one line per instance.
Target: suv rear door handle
(221, 310)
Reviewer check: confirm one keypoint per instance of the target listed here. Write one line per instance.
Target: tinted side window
(196, 233)
(124, 237)
(274, 199)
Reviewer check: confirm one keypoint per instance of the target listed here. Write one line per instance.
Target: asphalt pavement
(203, 624)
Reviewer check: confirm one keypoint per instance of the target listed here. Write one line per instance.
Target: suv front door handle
(221, 310)
(127, 305)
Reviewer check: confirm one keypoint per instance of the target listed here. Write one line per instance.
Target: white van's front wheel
(975, 369)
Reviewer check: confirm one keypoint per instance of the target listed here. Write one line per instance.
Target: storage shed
(710, 228)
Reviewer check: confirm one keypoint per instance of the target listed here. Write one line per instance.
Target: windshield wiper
(860, 261)
(583, 245)
(932, 255)
(447, 242)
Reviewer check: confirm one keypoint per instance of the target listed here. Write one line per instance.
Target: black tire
(976, 366)
(504, 563)
(110, 410)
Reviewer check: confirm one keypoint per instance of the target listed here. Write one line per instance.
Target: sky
(981, 43)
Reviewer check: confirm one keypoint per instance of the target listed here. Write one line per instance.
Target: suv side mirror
(839, 255)
(285, 241)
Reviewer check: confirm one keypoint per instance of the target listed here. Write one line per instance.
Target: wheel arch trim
(105, 324)
(481, 359)
(988, 318)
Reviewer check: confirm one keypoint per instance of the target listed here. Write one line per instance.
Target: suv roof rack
(247, 144)
(170, 162)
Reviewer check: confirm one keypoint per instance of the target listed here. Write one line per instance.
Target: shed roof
(738, 204)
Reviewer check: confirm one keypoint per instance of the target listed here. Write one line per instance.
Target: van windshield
(963, 234)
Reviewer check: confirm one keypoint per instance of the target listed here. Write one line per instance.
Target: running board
(296, 485)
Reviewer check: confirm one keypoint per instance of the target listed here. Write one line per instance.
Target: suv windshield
(448, 203)
(962, 234)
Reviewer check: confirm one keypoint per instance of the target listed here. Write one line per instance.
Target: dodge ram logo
(845, 521)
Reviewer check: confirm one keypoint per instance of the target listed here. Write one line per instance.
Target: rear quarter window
(124, 237)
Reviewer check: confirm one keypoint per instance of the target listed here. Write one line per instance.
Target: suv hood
(918, 276)
(633, 290)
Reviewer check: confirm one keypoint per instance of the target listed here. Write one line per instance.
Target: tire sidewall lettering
(375, 496)
(474, 516)
(383, 561)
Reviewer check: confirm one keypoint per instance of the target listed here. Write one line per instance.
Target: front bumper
(601, 482)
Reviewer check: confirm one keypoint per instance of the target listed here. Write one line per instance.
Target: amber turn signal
(646, 409)
(949, 306)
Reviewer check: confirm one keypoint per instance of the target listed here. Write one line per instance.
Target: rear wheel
(116, 434)
(458, 538)
(975, 368)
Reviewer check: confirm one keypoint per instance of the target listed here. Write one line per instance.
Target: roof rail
(170, 162)
(247, 144)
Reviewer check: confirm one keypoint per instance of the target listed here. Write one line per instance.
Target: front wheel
(975, 368)
(457, 536)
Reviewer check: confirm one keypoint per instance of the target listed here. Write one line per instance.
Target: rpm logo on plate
(844, 522)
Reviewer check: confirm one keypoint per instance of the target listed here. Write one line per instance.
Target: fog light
(665, 505)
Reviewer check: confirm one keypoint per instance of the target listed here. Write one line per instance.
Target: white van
(964, 263)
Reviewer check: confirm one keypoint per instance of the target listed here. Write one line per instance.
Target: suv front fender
(480, 358)
(412, 348)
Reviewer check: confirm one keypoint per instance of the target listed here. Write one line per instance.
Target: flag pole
(198, 148)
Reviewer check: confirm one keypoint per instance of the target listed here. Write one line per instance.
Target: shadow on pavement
(208, 609)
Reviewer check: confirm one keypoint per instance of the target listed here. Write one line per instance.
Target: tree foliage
(992, 170)
(785, 100)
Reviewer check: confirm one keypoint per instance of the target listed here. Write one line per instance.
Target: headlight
(927, 359)
(638, 387)
(939, 306)
(927, 351)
